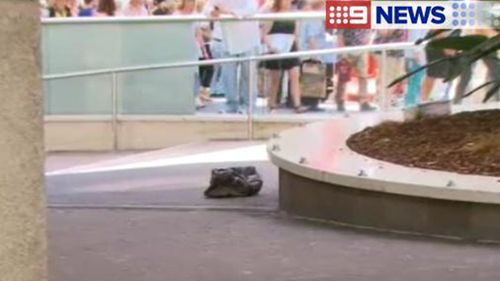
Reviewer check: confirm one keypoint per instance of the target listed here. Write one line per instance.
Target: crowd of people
(237, 39)
(107, 8)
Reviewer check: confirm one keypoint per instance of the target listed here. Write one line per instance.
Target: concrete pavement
(190, 243)
(227, 246)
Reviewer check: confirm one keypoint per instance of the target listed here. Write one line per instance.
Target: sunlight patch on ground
(244, 154)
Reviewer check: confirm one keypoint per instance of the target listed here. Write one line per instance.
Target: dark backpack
(234, 182)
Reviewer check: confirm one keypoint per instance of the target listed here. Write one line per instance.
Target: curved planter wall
(321, 178)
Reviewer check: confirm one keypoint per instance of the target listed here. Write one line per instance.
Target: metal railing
(383, 48)
(187, 18)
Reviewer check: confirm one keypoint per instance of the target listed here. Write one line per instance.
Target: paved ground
(172, 177)
(190, 241)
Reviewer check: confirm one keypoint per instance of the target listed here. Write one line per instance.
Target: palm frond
(431, 35)
(409, 74)
(481, 87)
(471, 49)
(492, 92)
(463, 43)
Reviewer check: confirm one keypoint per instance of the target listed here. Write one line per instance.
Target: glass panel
(74, 47)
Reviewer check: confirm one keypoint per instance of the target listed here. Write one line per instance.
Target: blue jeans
(414, 89)
(217, 85)
(236, 78)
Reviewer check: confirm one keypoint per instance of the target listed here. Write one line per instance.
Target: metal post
(251, 91)
(114, 109)
(383, 81)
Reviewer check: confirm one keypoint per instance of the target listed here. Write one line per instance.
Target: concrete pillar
(22, 206)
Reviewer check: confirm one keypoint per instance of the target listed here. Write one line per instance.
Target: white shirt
(130, 12)
(194, 29)
(238, 37)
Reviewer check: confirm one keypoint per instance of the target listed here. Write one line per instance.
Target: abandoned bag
(313, 80)
(234, 182)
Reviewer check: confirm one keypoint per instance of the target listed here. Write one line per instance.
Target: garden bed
(466, 143)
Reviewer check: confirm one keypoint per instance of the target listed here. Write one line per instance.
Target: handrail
(187, 18)
(336, 51)
(170, 19)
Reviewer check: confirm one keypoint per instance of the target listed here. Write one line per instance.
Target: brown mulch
(466, 143)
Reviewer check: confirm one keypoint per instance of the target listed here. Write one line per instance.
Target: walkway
(193, 239)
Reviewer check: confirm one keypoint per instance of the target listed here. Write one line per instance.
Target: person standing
(359, 61)
(438, 71)
(44, 9)
(59, 9)
(276, 67)
(414, 59)
(106, 8)
(186, 8)
(135, 8)
(73, 7)
(163, 7)
(491, 61)
(394, 64)
(206, 71)
(217, 49)
(240, 39)
(87, 9)
(315, 36)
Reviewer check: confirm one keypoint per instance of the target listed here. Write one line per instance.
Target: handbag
(313, 80)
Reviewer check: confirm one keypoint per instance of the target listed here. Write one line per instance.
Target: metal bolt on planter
(303, 160)
(276, 136)
(362, 173)
(275, 148)
(451, 184)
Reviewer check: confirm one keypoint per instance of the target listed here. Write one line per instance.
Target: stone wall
(22, 211)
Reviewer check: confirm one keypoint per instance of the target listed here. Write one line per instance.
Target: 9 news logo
(366, 14)
(348, 14)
